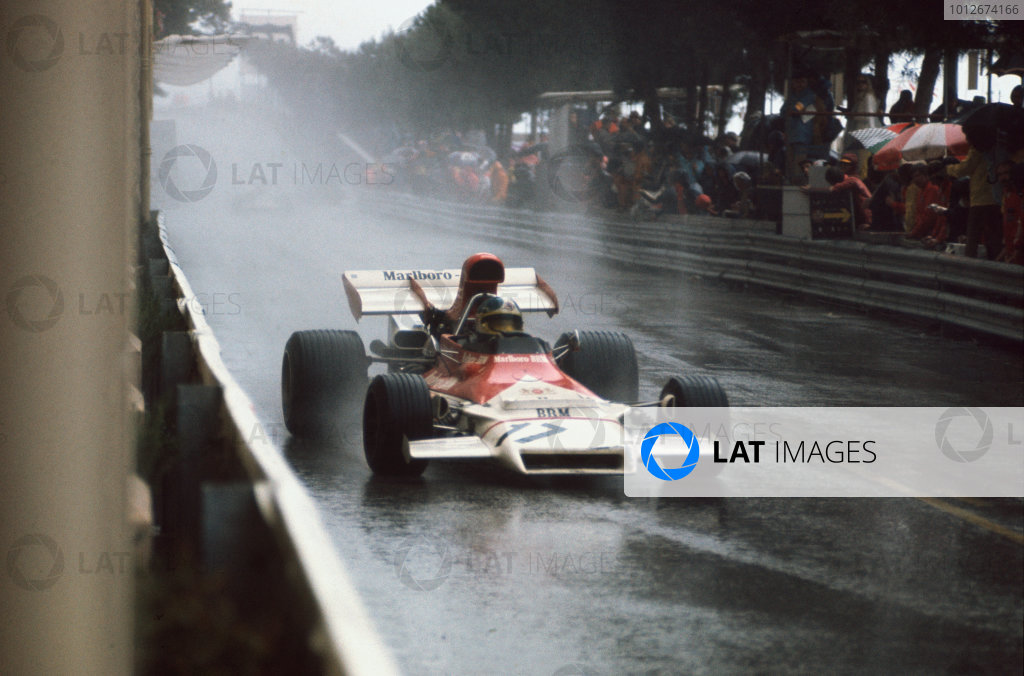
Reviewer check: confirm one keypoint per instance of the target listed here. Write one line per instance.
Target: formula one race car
(465, 381)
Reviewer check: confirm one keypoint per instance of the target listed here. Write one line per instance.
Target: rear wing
(388, 292)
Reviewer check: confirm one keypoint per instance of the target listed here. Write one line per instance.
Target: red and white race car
(464, 380)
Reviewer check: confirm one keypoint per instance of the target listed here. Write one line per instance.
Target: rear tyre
(322, 372)
(605, 364)
(397, 409)
(702, 391)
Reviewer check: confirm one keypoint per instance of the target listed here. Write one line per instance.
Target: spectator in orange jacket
(932, 204)
(852, 184)
(918, 182)
(499, 183)
(631, 174)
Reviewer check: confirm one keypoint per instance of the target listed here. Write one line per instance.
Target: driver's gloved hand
(435, 319)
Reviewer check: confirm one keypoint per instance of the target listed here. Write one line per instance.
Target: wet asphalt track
(473, 570)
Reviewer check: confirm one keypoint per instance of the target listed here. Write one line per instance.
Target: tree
(178, 17)
(464, 64)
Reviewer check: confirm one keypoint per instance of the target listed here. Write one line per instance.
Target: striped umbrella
(922, 142)
(874, 138)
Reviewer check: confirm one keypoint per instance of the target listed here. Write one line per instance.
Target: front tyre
(702, 392)
(693, 391)
(605, 364)
(322, 371)
(397, 410)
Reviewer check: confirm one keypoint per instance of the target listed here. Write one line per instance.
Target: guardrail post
(235, 541)
(197, 419)
(158, 279)
(176, 359)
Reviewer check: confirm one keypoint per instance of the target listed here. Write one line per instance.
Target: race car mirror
(432, 347)
(571, 344)
(440, 407)
(574, 341)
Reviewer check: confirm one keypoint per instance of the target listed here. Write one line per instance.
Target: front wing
(566, 445)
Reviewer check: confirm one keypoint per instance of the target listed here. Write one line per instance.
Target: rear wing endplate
(386, 292)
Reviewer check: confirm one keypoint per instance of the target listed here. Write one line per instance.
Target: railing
(341, 636)
(974, 294)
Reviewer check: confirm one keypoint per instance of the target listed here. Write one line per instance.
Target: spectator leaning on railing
(885, 214)
(918, 182)
(984, 217)
(844, 179)
(959, 207)
(897, 201)
(931, 225)
(1011, 180)
(805, 131)
(743, 207)
(499, 183)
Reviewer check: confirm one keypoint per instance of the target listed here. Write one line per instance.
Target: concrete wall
(70, 204)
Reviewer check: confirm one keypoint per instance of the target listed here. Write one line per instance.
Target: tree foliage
(466, 64)
(179, 17)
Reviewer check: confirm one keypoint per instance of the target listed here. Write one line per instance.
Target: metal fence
(974, 294)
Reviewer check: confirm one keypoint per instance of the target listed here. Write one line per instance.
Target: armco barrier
(975, 294)
(344, 638)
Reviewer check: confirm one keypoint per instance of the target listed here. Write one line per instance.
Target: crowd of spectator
(622, 163)
(646, 167)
